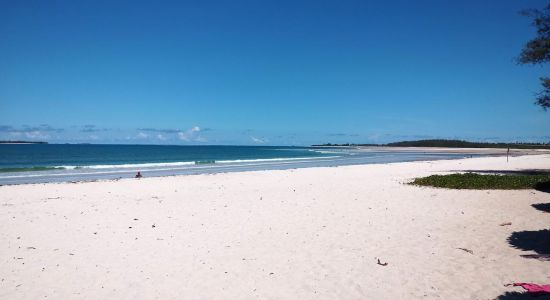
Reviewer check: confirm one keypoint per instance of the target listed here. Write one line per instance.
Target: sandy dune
(294, 234)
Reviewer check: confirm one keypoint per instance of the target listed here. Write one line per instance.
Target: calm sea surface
(49, 162)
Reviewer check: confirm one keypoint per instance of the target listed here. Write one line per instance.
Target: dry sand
(295, 234)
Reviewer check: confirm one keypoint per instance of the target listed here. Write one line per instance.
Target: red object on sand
(534, 288)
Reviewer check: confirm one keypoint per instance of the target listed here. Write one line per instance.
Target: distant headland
(447, 144)
(21, 142)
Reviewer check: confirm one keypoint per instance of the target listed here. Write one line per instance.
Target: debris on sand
(541, 257)
(466, 250)
(381, 263)
(533, 288)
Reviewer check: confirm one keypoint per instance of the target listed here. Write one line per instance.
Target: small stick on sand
(382, 264)
(542, 257)
(467, 250)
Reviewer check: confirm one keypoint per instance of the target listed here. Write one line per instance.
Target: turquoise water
(36, 157)
(53, 163)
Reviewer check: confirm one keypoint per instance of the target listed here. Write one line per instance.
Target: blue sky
(267, 72)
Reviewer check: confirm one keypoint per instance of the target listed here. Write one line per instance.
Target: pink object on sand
(534, 288)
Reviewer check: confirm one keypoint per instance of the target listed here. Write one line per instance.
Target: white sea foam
(271, 159)
(186, 163)
(327, 151)
(116, 170)
(127, 166)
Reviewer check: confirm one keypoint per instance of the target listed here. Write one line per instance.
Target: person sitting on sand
(138, 175)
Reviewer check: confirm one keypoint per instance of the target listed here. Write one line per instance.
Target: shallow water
(55, 163)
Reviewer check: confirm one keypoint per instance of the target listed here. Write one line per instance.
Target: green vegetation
(537, 50)
(486, 181)
(449, 144)
(466, 144)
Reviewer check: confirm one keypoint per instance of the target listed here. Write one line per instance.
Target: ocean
(36, 163)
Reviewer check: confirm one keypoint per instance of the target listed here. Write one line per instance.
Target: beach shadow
(521, 296)
(538, 241)
(545, 207)
(543, 187)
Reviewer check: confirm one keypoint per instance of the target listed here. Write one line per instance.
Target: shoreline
(263, 170)
(360, 156)
(309, 233)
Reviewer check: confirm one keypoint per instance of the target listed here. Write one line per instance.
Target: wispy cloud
(343, 134)
(142, 135)
(6, 128)
(27, 128)
(161, 130)
(42, 127)
(191, 135)
(259, 140)
(36, 135)
(92, 128)
(42, 131)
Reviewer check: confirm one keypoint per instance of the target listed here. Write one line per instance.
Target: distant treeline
(450, 144)
(21, 142)
(466, 144)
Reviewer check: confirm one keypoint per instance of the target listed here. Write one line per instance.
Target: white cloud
(161, 137)
(191, 135)
(259, 140)
(183, 136)
(142, 135)
(36, 135)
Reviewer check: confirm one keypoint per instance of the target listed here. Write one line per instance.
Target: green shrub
(486, 181)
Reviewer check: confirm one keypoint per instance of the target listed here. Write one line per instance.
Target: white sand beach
(314, 233)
